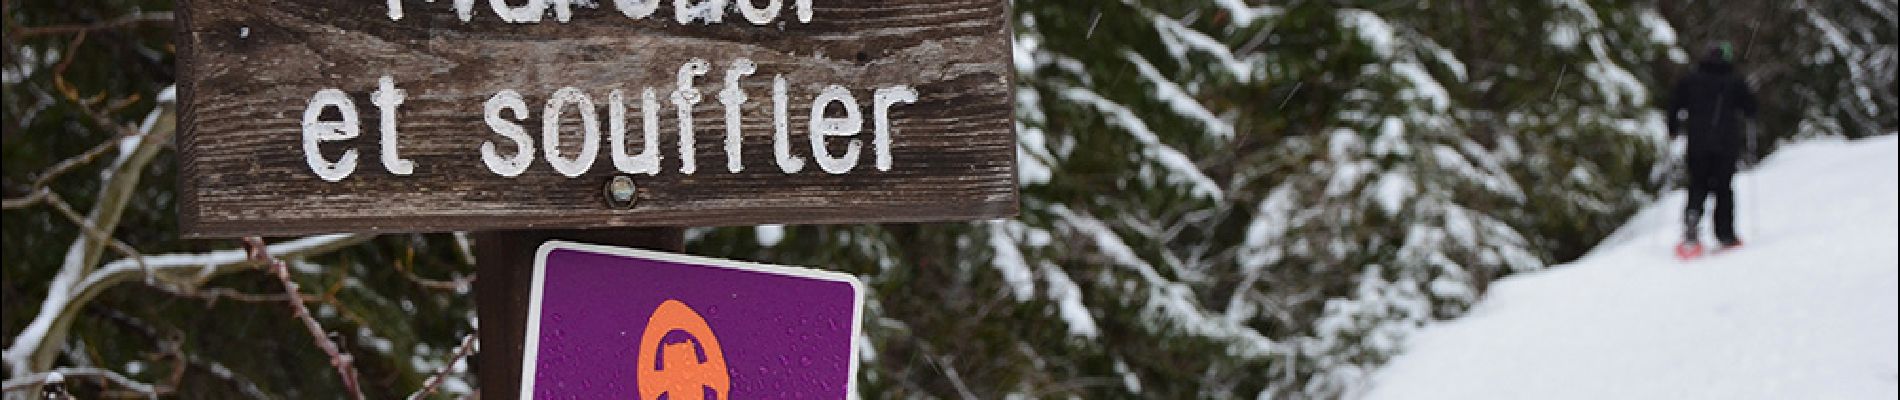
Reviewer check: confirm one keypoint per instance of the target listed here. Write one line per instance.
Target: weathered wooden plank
(249, 69)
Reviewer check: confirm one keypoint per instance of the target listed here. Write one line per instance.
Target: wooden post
(504, 261)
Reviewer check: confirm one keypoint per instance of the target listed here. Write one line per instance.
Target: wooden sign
(307, 116)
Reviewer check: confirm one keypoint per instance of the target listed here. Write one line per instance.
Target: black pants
(1711, 175)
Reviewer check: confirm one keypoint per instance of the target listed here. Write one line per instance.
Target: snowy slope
(1810, 309)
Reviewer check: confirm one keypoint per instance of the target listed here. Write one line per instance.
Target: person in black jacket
(1709, 104)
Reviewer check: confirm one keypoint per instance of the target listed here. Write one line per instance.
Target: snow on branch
(36, 346)
(1181, 39)
(1168, 301)
(1178, 99)
(185, 270)
(1181, 167)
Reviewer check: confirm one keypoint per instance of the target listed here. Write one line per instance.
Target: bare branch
(29, 381)
(120, 182)
(344, 363)
(46, 177)
(24, 201)
(245, 386)
(99, 117)
(458, 284)
(212, 295)
(87, 157)
(429, 386)
(132, 19)
(93, 232)
(64, 301)
(59, 73)
(126, 171)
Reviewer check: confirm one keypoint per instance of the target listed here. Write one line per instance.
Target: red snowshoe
(1688, 251)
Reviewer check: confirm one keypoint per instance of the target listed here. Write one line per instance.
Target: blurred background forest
(1221, 198)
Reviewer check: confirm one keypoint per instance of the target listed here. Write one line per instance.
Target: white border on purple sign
(532, 345)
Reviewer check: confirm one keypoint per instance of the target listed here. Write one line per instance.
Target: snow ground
(1810, 309)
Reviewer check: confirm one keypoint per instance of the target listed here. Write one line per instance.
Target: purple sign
(607, 322)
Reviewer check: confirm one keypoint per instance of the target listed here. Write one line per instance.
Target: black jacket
(1712, 96)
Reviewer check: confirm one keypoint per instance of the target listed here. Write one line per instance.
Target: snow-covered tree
(1228, 199)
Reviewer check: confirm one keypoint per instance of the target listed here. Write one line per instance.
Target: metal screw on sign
(621, 192)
